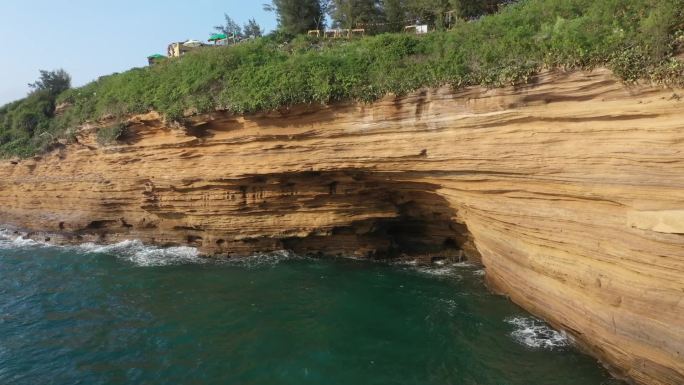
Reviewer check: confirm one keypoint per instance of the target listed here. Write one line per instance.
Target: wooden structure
(344, 33)
(331, 33)
(450, 18)
(314, 32)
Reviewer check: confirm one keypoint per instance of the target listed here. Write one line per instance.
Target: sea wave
(140, 254)
(132, 250)
(443, 268)
(145, 255)
(465, 264)
(11, 240)
(440, 271)
(536, 334)
(261, 259)
(475, 269)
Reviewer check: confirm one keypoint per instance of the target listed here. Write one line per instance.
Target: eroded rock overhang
(570, 190)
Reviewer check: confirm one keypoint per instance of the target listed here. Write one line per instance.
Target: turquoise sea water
(129, 314)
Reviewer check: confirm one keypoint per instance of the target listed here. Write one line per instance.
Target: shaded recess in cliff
(410, 218)
(352, 212)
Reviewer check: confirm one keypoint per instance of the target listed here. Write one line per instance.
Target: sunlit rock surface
(570, 191)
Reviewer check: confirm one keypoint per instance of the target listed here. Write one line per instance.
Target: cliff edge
(570, 191)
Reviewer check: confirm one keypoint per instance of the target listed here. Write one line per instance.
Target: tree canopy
(25, 124)
(53, 82)
(252, 29)
(298, 16)
(353, 13)
(230, 28)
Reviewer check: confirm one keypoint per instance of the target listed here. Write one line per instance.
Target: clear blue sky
(90, 38)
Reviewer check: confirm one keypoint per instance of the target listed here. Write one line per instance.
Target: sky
(91, 38)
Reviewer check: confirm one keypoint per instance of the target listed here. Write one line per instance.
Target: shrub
(109, 135)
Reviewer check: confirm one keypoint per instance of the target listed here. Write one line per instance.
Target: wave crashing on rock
(536, 334)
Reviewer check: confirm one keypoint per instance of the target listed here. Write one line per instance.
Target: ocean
(135, 314)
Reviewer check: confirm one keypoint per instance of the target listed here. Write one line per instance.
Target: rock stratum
(570, 191)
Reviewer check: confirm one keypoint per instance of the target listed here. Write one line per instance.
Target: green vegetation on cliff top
(637, 39)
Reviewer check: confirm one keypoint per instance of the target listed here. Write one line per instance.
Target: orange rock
(571, 191)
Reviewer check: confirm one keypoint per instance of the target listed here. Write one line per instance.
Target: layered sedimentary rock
(570, 191)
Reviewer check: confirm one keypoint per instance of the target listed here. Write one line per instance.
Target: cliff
(569, 191)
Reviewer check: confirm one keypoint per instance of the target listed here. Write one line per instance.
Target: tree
(230, 28)
(395, 14)
(326, 6)
(297, 16)
(441, 13)
(431, 12)
(474, 8)
(52, 82)
(350, 13)
(252, 29)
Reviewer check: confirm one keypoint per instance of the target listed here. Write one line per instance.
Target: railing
(338, 33)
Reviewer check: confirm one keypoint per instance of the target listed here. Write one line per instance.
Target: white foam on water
(261, 259)
(144, 255)
(131, 250)
(439, 271)
(10, 240)
(536, 334)
(6, 234)
(26, 242)
(463, 264)
(401, 262)
(439, 268)
(474, 268)
(147, 255)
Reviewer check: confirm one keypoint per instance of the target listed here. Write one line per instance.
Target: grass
(635, 38)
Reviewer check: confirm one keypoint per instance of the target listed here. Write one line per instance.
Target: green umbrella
(156, 56)
(218, 36)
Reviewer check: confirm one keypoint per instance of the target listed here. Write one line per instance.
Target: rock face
(570, 192)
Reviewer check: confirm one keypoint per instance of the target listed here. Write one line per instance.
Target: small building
(181, 48)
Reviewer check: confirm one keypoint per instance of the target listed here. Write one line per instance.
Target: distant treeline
(300, 16)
